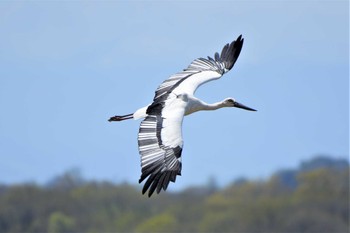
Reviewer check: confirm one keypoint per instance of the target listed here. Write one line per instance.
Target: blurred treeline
(312, 198)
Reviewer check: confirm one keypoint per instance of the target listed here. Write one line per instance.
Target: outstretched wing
(200, 71)
(160, 144)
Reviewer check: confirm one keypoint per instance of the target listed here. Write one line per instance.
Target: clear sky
(66, 67)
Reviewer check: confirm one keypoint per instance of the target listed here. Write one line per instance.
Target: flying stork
(160, 135)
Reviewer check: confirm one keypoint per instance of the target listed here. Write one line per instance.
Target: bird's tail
(121, 118)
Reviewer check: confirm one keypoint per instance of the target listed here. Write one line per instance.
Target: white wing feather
(160, 145)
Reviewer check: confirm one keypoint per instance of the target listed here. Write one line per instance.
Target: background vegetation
(312, 198)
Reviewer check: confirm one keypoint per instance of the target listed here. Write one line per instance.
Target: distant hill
(289, 176)
(324, 162)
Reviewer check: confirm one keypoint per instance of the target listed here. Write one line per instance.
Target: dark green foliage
(318, 201)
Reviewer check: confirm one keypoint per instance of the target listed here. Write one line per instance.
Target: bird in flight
(160, 133)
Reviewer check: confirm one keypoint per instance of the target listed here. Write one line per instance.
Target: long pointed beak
(239, 105)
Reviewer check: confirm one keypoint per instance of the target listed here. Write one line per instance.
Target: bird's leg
(121, 118)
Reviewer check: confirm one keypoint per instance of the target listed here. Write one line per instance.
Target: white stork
(160, 135)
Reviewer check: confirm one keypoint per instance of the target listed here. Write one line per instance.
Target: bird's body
(160, 134)
(193, 105)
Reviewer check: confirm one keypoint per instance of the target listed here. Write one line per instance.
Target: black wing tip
(239, 40)
(159, 181)
(230, 52)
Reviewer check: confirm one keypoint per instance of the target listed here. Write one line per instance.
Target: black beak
(238, 105)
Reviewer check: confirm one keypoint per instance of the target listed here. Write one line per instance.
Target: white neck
(213, 106)
(198, 105)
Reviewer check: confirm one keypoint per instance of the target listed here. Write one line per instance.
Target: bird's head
(231, 102)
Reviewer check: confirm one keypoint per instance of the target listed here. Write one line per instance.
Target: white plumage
(160, 133)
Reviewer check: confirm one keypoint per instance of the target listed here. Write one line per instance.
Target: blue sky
(66, 67)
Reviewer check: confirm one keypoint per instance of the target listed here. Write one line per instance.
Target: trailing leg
(121, 118)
